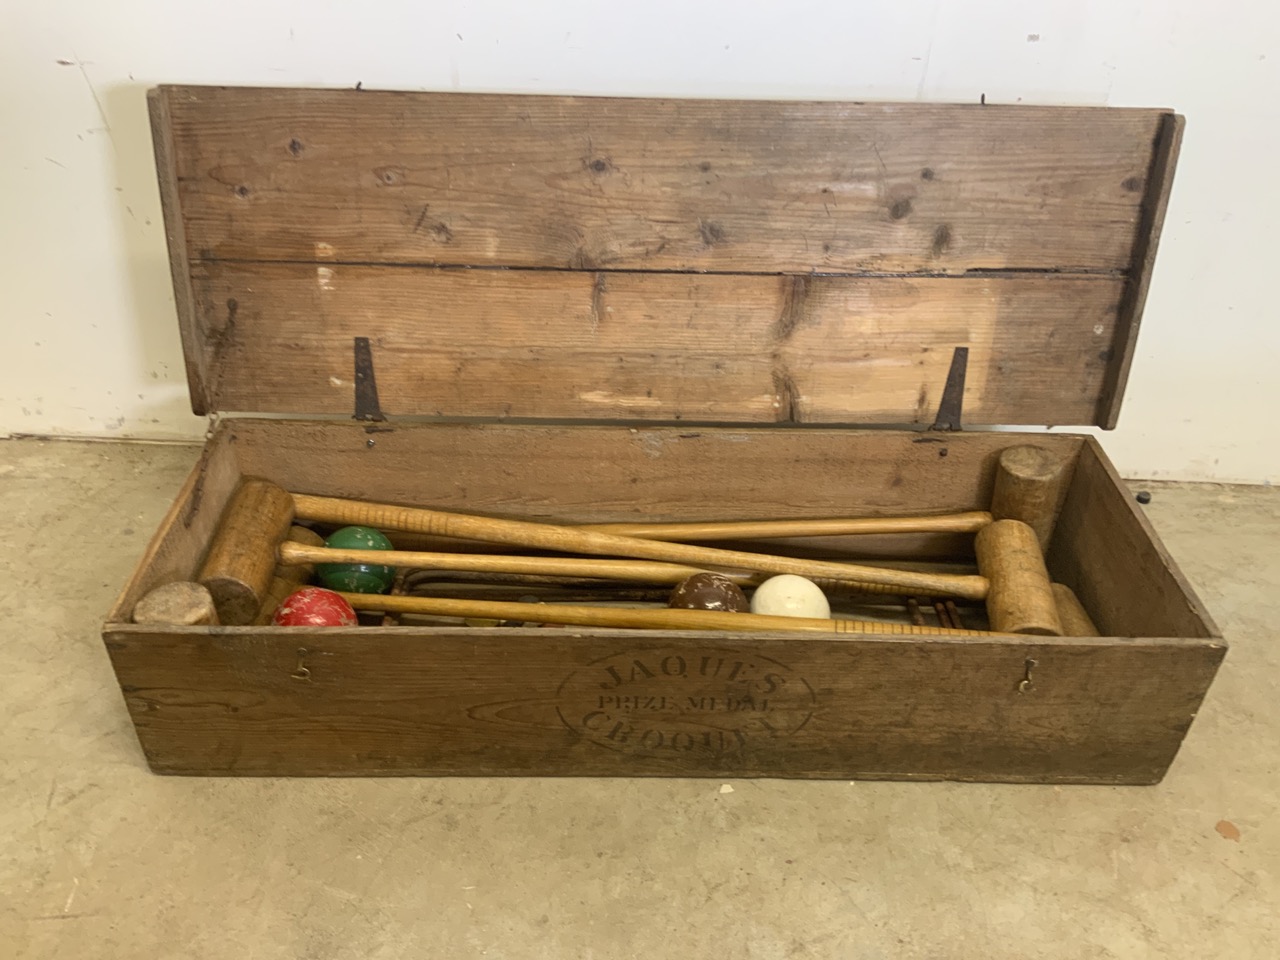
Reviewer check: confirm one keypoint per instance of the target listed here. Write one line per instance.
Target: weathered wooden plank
(600, 346)
(582, 474)
(1105, 549)
(1159, 185)
(574, 182)
(180, 542)
(600, 474)
(474, 702)
(175, 229)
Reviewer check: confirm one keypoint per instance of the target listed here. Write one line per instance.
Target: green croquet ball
(356, 577)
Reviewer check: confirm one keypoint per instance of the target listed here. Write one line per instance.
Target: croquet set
(590, 436)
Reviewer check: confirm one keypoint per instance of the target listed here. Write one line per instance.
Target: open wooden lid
(614, 259)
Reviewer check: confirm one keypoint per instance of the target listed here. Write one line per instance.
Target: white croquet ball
(787, 595)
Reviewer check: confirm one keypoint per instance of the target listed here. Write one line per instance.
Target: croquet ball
(356, 577)
(709, 591)
(787, 595)
(314, 607)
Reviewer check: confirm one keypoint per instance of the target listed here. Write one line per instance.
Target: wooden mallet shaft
(572, 540)
(645, 619)
(288, 577)
(637, 571)
(578, 568)
(970, 522)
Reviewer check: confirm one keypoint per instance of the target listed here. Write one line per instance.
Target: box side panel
(602, 473)
(1158, 187)
(190, 317)
(179, 545)
(1106, 550)
(452, 702)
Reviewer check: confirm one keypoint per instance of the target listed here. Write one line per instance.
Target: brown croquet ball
(709, 591)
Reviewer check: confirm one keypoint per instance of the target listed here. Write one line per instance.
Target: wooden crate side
(600, 473)
(180, 542)
(606, 183)
(539, 702)
(1159, 185)
(657, 346)
(1106, 550)
(200, 382)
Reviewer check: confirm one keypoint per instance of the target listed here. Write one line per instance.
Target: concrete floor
(100, 858)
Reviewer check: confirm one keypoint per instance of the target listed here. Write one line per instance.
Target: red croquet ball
(314, 607)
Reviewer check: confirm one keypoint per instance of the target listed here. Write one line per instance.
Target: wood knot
(900, 209)
(295, 147)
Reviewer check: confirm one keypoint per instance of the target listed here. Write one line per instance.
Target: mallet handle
(580, 568)
(638, 571)
(572, 540)
(655, 619)
(970, 522)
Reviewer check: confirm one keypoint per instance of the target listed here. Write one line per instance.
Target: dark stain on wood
(784, 392)
(711, 232)
(941, 240)
(599, 286)
(793, 309)
(900, 209)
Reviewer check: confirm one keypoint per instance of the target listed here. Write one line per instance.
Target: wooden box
(588, 309)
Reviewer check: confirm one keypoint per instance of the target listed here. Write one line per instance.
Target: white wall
(87, 330)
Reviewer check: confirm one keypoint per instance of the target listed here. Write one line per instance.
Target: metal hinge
(367, 407)
(951, 407)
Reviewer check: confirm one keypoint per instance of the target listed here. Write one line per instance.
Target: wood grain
(1158, 187)
(183, 537)
(1105, 549)
(445, 701)
(1075, 619)
(644, 474)
(190, 320)
(1031, 482)
(180, 603)
(507, 702)
(241, 561)
(636, 346)
(584, 183)
(1020, 598)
